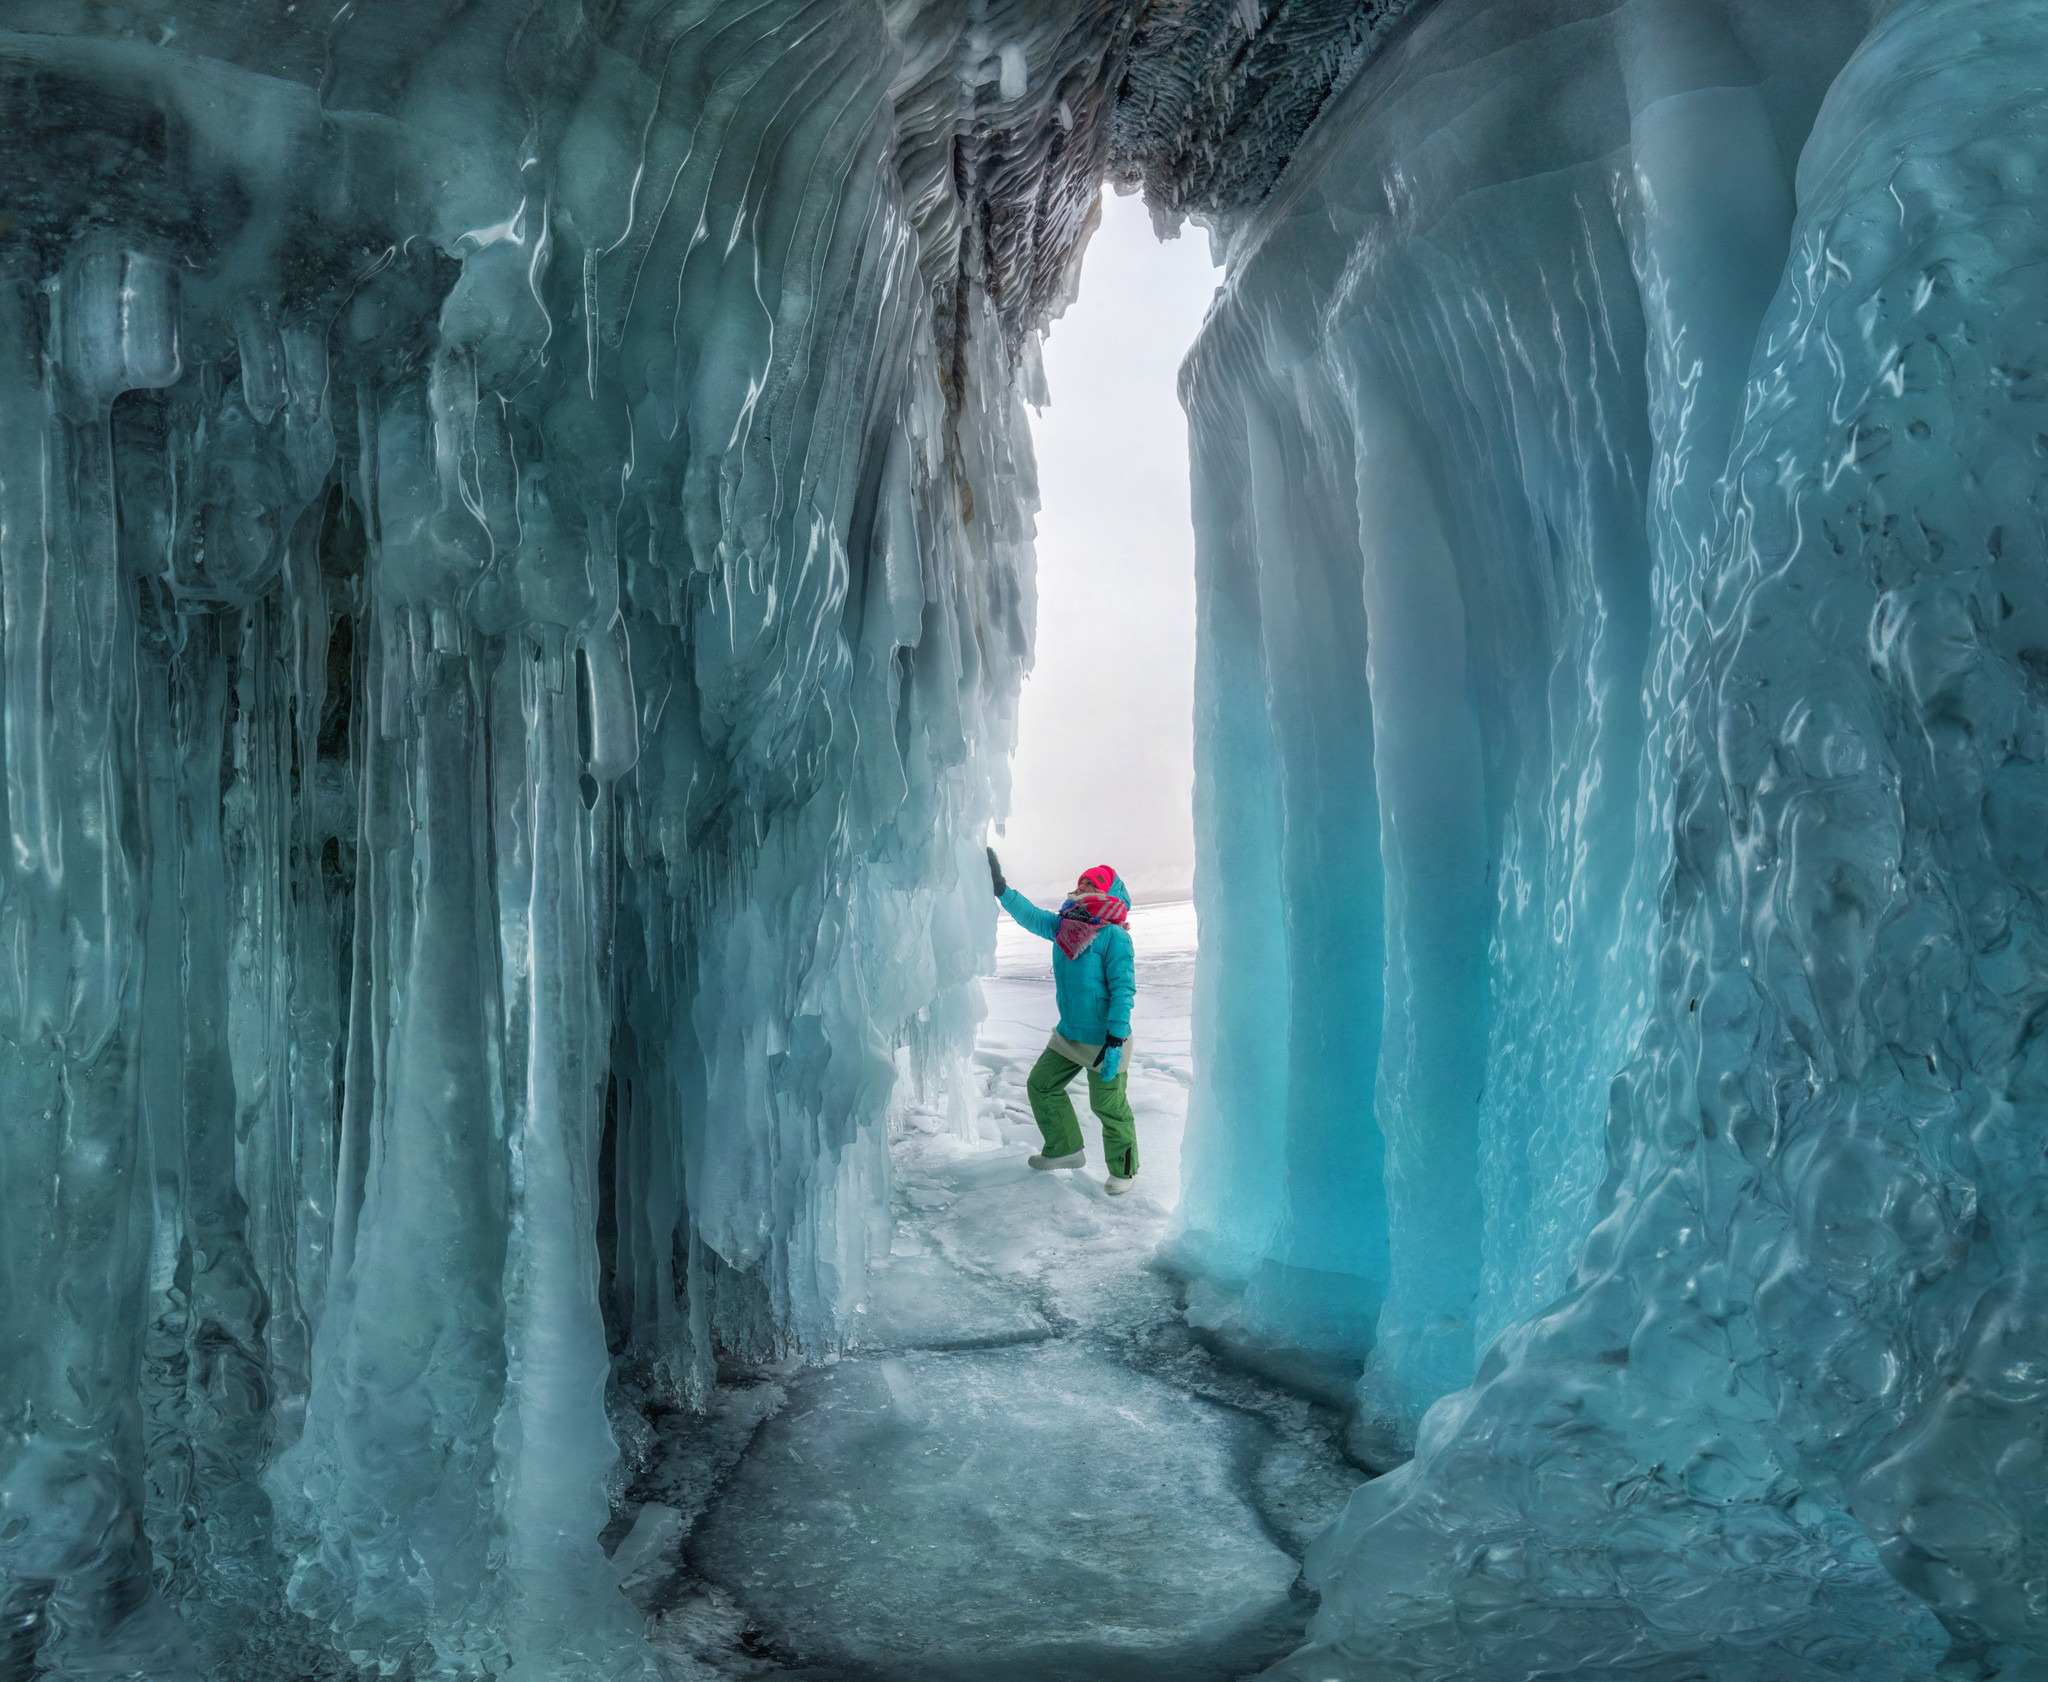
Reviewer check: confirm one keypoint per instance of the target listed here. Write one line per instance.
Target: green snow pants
(1054, 1110)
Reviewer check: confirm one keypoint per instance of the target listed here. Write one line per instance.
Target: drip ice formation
(1459, 426)
(514, 578)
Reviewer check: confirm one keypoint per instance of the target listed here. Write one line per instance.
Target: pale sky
(1105, 740)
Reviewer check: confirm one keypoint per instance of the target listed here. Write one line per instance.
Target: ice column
(1463, 405)
(1684, 359)
(71, 1049)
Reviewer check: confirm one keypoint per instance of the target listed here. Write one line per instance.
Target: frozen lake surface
(1026, 1470)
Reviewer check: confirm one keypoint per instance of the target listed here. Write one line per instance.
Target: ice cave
(516, 576)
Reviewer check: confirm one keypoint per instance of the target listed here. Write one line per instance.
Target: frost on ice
(514, 577)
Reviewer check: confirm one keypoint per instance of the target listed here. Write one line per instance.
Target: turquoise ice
(515, 575)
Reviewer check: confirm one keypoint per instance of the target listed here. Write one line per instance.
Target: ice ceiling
(514, 576)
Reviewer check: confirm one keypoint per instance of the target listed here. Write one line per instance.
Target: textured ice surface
(1464, 410)
(922, 1301)
(1033, 1513)
(1619, 475)
(1220, 92)
(514, 577)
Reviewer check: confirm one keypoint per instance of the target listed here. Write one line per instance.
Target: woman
(1094, 977)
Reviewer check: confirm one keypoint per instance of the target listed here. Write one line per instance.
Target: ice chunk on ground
(1037, 1512)
(657, 1530)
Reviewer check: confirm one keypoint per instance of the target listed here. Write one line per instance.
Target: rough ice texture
(1220, 92)
(514, 579)
(1619, 477)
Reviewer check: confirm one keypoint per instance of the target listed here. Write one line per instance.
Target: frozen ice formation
(1218, 93)
(876, 1501)
(514, 577)
(1619, 475)
(1459, 426)
(513, 582)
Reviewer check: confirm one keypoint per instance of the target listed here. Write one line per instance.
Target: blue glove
(1111, 1060)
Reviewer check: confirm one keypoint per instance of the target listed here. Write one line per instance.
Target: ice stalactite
(514, 577)
(1661, 378)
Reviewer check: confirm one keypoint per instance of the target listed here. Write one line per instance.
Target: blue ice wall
(1461, 411)
(1673, 369)
(514, 578)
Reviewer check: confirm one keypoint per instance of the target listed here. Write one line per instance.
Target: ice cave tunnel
(515, 578)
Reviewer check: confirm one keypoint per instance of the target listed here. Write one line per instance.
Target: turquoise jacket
(1097, 989)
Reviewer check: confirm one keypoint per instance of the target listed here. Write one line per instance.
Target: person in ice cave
(1094, 972)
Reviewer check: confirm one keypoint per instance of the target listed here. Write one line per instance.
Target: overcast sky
(1105, 758)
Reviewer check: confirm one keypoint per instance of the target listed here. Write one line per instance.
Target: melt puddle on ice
(1026, 1470)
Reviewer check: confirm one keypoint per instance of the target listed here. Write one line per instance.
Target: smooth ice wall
(514, 578)
(1673, 369)
(1456, 428)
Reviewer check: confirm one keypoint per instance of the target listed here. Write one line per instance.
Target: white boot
(1073, 1159)
(1116, 1185)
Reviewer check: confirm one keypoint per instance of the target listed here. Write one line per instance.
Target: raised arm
(1044, 924)
(1120, 965)
(1039, 921)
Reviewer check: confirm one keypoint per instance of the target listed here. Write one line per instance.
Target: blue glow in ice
(514, 582)
(1620, 467)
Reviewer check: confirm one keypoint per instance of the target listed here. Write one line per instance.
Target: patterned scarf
(1088, 909)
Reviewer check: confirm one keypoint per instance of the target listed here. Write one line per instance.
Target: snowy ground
(1026, 1470)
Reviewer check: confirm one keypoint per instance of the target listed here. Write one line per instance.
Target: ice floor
(1027, 1470)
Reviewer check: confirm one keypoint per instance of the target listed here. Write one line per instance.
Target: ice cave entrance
(1105, 733)
(1026, 1466)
